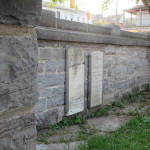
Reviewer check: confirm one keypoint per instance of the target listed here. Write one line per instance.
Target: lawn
(135, 135)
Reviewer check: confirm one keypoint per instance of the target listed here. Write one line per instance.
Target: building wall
(126, 69)
(145, 18)
(71, 15)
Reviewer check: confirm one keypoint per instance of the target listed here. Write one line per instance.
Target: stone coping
(117, 37)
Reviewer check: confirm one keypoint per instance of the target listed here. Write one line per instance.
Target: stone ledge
(74, 36)
(14, 30)
(20, 12)
(52, 22)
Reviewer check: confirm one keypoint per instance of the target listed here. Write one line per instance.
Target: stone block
(122, 85)
(41, 105)
(17, 131)
(111, 72)
(50, 116)
(50, 66)
(95, 78)
(52, 91)
(70, 36)
(48, 18)
(134, 35)
(107, 63)
(61, 65)
(41, 43)
(109, 50)
(41, 67)
(121, 77)
(115, 30)
(26, 12)
(66, 45)
(58, 54)
(135, 89)
(98, 29)
(106, 86)
(74, 81)
(130, 69)
(54, 79)
(40, 81)
(18, 66)
(120, 70)
(132, 82)
(55, 100)
(108, 98)
(45, 53)
(70, 25)
(52, 44)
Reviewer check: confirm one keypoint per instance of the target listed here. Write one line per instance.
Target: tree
(105, 6)
(106, 3)
(53, 3)
(146, 3)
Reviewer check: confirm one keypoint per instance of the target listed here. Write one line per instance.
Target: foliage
(100, 22)
(76, 120)
(54, 3)
(119, 104)
(147, 87)
(132, 97)
(137, 1)
(134, 135)
(105, 4)
(42, 140)
(86, 132)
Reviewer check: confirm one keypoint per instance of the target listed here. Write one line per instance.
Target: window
(78, 18)
(58, 14)
(83, 19)
(71, 18)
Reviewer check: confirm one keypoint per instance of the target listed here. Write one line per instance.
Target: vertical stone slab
(95, 78)
(74, 81)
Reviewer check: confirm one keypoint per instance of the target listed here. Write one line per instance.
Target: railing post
(140, 17)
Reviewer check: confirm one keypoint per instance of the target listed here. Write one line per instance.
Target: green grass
(120, 139)
(86, 132)
(76, 120)
(42, 140)
(135, 135)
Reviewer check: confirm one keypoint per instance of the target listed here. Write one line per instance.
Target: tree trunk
(146, 4)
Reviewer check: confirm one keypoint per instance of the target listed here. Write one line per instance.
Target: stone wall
(123, 68)
(126, 69)
(18, 71)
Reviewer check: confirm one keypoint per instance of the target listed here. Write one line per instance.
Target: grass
(42, 140)
(76, 120)
(44, 133)
(135, 135)
(132, 136)
(86, 132)
(105, 110)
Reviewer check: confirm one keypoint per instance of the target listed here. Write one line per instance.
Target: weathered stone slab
(75, 81)
(95, 78)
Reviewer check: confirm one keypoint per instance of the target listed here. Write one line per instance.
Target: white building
(70, 14)
(140, 23)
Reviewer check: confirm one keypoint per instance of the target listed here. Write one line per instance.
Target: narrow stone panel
(75, 81)
(95, 78)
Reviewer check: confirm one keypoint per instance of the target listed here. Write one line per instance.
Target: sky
(94, 6)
